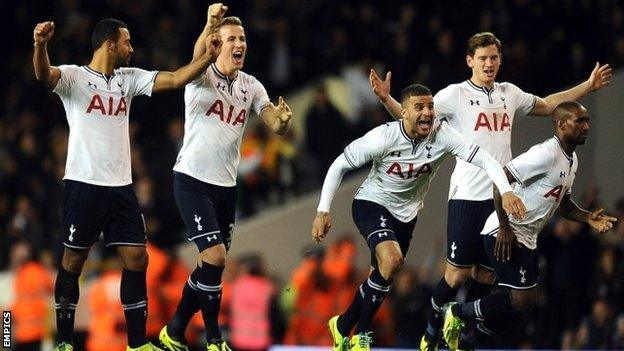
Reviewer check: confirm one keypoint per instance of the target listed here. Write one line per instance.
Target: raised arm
(184, 75)
(570, 210)
(277, 117)
(214, 16)
(381, 88)
(322, 221)
(44, 72)
(505, 239)
(599, 78)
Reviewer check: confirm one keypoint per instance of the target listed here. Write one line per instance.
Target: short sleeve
(140, 81)
(445, 102)
(524, 101)
(260, 97)
(534, 162)
(455, 143)
(366, 148)
(69, 75)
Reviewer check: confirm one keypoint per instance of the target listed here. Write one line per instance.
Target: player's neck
(409, 131)
(103, 63)
(568, 147)
(221, 67)
(480, 83)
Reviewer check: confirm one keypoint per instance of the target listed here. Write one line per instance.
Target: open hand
(283, 110)
(505, 241)
(600, 222)
(513, 205)
(381, 88)
(600, 77)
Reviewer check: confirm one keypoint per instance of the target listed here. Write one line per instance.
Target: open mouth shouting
(424, 124)
(238, 57)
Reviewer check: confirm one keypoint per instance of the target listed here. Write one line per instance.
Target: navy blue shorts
(377, 225)
(208, 211)
(466, 219)
(89, 211)
(521, 272)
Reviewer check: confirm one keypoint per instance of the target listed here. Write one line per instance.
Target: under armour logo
(212, 297)
(244, 94)
(562, 174)
(92, 85)
(474, 102)
(197, 219)
(376, 298)
(523, 278)
(453, 248)
(72, 230)
(504, 104)
(428, 151)
(220, 86)
(396, 153)
(211, 237)
(383, 221)
(382, 234)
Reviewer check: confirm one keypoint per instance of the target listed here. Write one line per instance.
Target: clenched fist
(43, 32)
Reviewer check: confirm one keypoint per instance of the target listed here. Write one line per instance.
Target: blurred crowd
(581, 296)
(547, 45)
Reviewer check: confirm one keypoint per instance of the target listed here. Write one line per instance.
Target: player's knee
(456, 276)
(214, 255)
(483, 275)
(134, 258)
(389, 263)
(74, 260)
(523, 301)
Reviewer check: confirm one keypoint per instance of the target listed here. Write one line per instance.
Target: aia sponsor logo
(108, 107)
(217, 110)
(492, 123)
(557, 192)
(408, 171)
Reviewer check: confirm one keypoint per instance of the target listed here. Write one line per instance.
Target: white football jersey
(485, 117)
(403, 168)
(544, 174)
(97, 109)
(216, 112)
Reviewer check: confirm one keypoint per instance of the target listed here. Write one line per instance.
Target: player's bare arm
(185, 74)
(598, 221)
(44, 72)
(599, 78)
(321, 226)
(277, 117)
(213, 17)
(505, 239)
(381, 88)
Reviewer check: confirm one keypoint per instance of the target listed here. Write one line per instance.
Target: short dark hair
(566, 110)
(105, 29)
(414, 90)
(482, 40)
